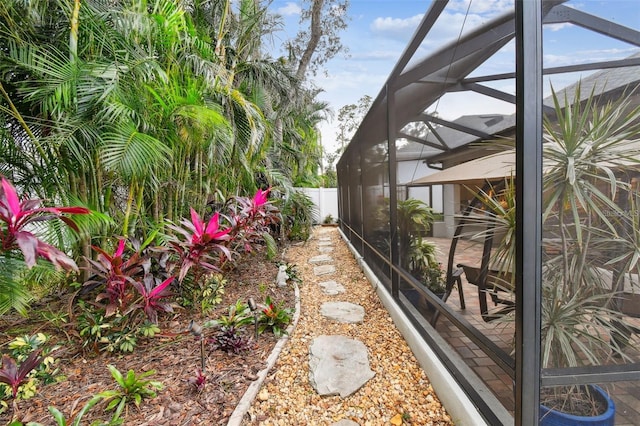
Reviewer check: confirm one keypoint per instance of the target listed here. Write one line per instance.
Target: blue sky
(379, 31)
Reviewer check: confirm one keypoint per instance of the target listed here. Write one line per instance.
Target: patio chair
(493, 284)
(453, 278)
(488, 282)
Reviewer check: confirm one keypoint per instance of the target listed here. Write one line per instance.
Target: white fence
(325, 200)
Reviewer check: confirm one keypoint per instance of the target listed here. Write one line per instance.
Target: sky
(379, 31)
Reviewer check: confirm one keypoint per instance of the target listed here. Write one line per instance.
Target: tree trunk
(314, 39)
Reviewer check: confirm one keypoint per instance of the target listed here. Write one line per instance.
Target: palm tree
(146, 108)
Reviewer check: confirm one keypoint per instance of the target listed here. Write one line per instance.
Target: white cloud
(558, 27)
(484, 7)
(397, 28)
(592, 55)
(290, 9)
(376, 55)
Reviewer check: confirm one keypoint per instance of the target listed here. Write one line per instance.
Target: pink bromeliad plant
(115, 273)
(16, 215)
(251, 218)
(208, 245)
(203, 244)
(198, 247)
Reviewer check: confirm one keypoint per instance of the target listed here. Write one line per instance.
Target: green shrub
(297, 216)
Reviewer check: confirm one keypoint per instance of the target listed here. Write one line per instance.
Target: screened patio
(463, 112)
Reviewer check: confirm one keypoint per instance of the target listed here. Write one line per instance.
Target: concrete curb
(252, 391)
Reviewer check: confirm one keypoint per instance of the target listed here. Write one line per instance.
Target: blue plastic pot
(549, 417)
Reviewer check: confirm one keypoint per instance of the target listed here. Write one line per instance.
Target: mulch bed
(174, 355)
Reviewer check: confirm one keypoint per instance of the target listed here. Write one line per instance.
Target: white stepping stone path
(345, 312)
(338, 365)
(322, 258)
(331, 287)
(324, 270)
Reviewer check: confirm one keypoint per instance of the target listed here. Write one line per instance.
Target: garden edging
(252, 391)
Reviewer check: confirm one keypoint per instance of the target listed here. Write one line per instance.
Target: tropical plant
(414, 220)
(202, 244)
(13, 375)
(21, 347)
(115, 333)
(496, 213)
(229, 339)
(297, 216)
(212, 291)
(141, 112)
(292, 272)
(113, 274)
(17, 221)
(198, 381)
(274, 318)
(589, 238)
(75, 420)
(132, 388)
(251, 220)
(151, 295)
(239, 316)
(423, 264)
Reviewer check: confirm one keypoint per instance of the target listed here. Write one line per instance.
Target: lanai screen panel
(375, 181)
(451, 99)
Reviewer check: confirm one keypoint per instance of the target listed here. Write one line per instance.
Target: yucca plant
(591, 150)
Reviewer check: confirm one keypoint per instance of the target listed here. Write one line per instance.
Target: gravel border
(400, 393)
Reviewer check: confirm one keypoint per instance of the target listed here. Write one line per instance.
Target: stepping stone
(325, 244)
(338, 365)
(325, 249)
(331, 287)
(321, 259)
(324, 270)
(346, 312)
(345, 422)
(324, 239)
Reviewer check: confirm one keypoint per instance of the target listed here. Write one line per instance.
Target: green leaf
(58, 416)
(116, 375)
(114, 402)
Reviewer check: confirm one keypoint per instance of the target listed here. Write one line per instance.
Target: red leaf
(59, 259)
(120, 248)
(213, 224)
(197, 222)
(28, 244)
(160, 288)
(73, 210)
(13, 202)
(13, 375)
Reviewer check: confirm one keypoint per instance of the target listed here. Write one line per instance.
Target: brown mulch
(174, 355)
